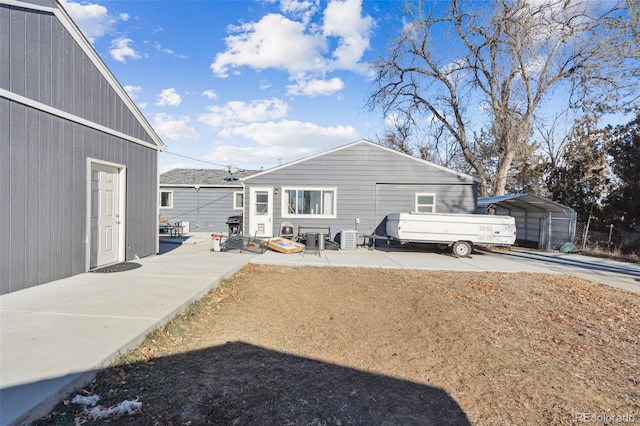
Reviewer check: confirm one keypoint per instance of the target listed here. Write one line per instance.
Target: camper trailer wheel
(462, 249)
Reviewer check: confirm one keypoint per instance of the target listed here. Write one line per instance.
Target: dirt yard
(338, 346)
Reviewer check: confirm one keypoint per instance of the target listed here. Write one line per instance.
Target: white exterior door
(261, 212)
(105, 215)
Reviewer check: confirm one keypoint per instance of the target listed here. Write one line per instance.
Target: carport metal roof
(524, 202)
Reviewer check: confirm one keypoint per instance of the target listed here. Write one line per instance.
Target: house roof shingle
(203, 177)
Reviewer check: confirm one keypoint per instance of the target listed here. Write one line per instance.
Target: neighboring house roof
(524, 202)
(54, 7)
(203, 177)
(375, 145)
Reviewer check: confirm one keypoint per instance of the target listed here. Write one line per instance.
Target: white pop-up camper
(461, 231)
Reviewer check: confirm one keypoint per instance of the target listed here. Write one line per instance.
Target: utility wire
(195, 159)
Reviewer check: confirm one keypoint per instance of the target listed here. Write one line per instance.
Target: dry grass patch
(305, 345)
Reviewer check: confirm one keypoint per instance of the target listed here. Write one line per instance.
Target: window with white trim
(238, 200)
(425, 203)
(166, 199)
(309, 202)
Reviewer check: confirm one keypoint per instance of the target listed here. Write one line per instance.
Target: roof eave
(364, 141)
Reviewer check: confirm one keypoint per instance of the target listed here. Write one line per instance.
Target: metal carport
(540, 222)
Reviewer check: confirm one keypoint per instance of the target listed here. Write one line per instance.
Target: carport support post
(549, 227)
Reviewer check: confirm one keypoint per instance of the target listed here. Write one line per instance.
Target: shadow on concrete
(168, 244)
(165, 248)
(22, 403)
(240, 383)
(395, 247)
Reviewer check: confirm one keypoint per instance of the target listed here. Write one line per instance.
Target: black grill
(234, 222)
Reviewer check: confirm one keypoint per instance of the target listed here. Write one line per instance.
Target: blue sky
(255, 83)
(245, 83)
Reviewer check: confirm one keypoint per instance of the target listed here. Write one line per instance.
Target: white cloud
(291, 134)
(264, 84)
(160, 48)
(456, 71)
(299, 9)
(133, 91)
(535, 64)
(343, 19)
(169, 97)
(93, 19)
(284, 140)
(316, 87)
(120, 50)
(238, 112)
(250, 157)
(273, 42)
(174, 128)
(124, 17)
(299, 46)
(484, 107)
(210, 94)
(553, 19)
(392, 119)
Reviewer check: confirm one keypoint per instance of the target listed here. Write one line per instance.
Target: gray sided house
(540, 223)
(78, 161)
(202, 198)
(352, 187)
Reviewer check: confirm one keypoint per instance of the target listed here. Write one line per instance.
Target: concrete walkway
(625, 276)
(55, 337)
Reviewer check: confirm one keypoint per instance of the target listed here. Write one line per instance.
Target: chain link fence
(606, 237)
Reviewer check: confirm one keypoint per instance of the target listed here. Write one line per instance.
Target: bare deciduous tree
(398, 136)
(465, 68)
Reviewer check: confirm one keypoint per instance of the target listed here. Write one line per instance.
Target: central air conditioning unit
(348, 239)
